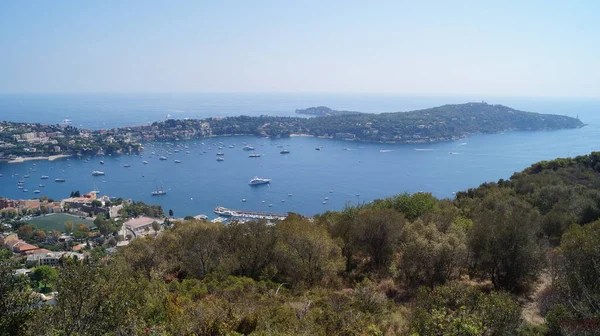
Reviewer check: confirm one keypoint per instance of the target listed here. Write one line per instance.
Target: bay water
(306, 180)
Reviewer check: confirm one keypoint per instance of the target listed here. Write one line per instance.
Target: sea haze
(340, 171)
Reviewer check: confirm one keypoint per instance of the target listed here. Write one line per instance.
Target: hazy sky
(523, 48)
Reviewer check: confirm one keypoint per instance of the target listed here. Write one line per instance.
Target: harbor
(225, 212)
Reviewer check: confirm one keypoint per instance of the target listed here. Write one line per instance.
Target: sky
(514, 48)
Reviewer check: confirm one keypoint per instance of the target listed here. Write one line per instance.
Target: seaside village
(41, 234)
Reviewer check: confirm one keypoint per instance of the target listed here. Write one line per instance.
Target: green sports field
(57, 222)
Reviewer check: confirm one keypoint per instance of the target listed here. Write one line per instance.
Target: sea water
(306, 180)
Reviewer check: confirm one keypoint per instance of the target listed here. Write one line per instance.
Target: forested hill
(443, 123)
(323, 111)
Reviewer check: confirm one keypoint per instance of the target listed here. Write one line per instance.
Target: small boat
(145, 162)
(270, 205)
(324, 202)
(36, 191)
(19, 187)
(290, 195)
(254, 155)
(59, 180)
(231, 146)
(326, 198)
(101, 162)
(258, 180)
(40, 185)
(25, 176)
(243, 200)
(319, 148)
(25, 190)
(162, 158)
(219, 153)
(385, 150)
(177, 161)
(220, 159)
(285, 151)
(248, 148)
(127, 165)
(97, 173)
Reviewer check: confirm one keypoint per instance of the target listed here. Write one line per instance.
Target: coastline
(32, 158)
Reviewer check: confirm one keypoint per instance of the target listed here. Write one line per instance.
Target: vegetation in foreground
(405, 265)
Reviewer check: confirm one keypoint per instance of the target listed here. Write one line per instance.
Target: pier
(221, 211)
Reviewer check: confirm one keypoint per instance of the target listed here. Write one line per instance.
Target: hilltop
(323, 111)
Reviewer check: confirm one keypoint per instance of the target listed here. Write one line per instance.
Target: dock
(221, 211)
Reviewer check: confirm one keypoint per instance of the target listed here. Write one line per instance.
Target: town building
(51, 258)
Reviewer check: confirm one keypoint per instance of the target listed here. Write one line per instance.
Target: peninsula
(443, 123)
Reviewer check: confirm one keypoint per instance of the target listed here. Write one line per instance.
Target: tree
(46, 275)
(26, 232)
(377, 234)
(16, 300)
(305, 252)
(505, 242)
(68, 227)
(201, 249)
(40, 235)
(155, 226)
(96, 203)
(96, 300)
(577, 282)
(430, 257)
(171, 213)
(250, 246)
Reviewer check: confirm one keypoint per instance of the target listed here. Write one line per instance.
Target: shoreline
(33, 158)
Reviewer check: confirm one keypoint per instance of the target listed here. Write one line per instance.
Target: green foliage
(504, 242)
(460, 310)
(431, 257)
(578, 282)
(305, 252)
(46, 276)
(96, 300)
(136, 209)
(16, 301)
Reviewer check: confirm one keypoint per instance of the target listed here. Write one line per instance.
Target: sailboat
(159, 191)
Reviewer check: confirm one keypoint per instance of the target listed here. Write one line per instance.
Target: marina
(225, 212)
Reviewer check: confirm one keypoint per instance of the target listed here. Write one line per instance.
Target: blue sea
(341, 173)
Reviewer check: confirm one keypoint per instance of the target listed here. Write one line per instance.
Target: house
(141, 225)
(51, 258)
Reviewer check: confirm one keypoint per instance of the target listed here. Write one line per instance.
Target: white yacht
(97, 173)
(45, 177)
(258, 180)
